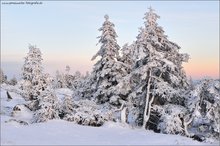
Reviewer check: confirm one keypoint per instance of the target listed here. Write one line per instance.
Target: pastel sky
(66, 32)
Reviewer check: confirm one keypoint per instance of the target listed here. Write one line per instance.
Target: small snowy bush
(170, 120)
(87, 112)
(48, 107)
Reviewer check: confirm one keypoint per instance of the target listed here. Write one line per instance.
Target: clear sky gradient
(66, 32)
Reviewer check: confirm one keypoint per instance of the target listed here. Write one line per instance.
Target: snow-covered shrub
(87, 112)
(171, 120)
(49, 107)
(84, 118)
(67, 107)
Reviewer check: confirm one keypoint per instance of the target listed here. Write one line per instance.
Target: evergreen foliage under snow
(145, 86)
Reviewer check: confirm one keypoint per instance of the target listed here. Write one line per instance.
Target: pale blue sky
(66, 31)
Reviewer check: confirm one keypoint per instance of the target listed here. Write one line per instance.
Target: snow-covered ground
(60, 132)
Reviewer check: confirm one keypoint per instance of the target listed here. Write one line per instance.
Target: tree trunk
(124, 115)
(146, 110)
(124, 112)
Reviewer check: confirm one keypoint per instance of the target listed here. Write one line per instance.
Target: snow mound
(7, 105)
(21, 112)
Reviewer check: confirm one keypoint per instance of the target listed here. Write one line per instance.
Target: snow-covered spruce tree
(108, 71)
(3, 77)
(76, 80)
(65, 80)
(13, 81)
(203, 103)
(49, 107)
(71, 79)
(60, 81)
(157, 77)
(32, 74)
(67, 69)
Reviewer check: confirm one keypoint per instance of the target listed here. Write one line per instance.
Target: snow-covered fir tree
(32, 74)
(3, 77)
(157, 77)
(108, 71)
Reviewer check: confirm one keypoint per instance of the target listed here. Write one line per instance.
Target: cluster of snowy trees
(142, 84)
(203, 102)
(4, 79)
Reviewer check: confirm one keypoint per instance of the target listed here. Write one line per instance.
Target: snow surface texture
(60, 132)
